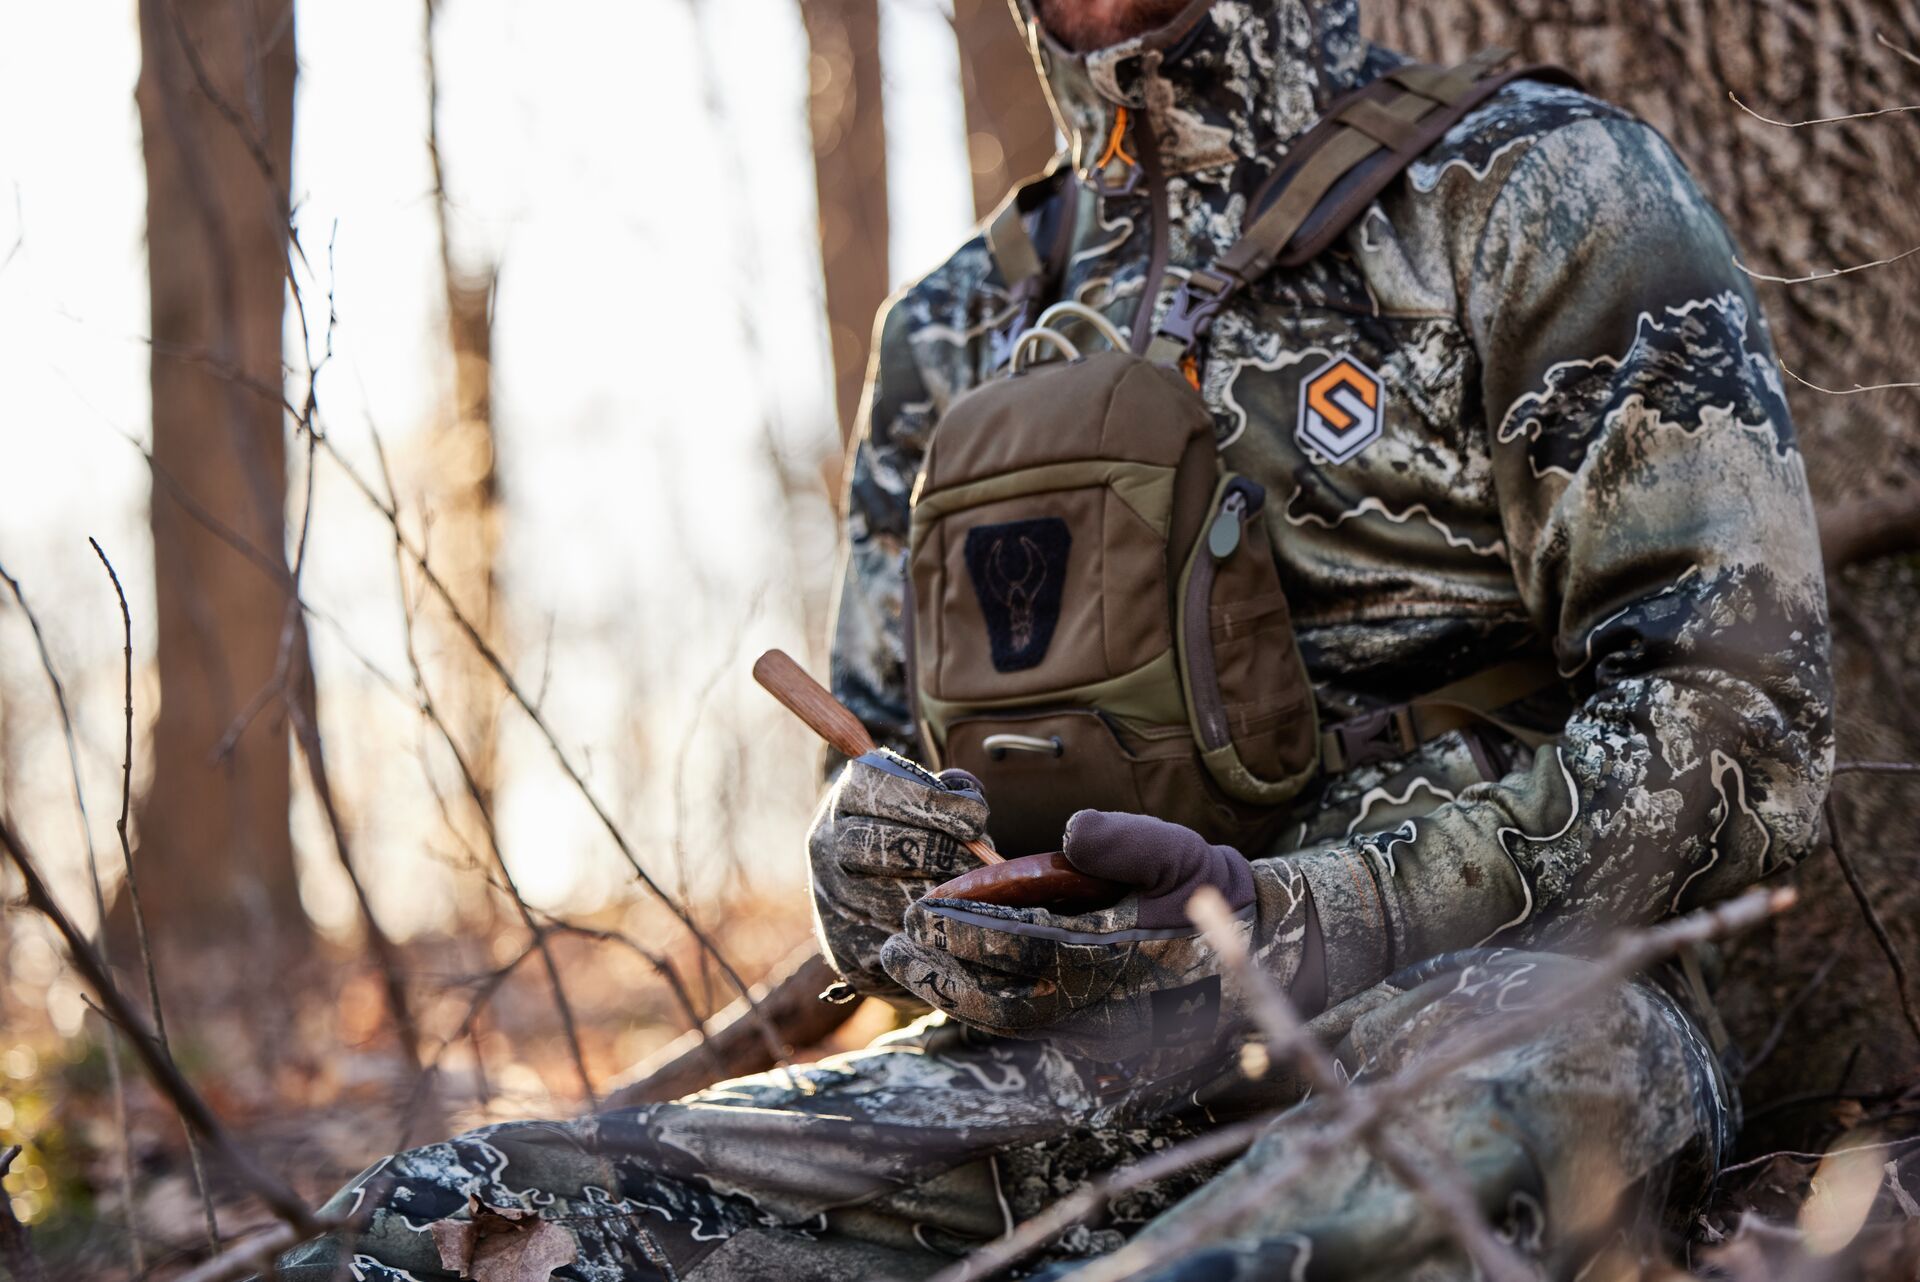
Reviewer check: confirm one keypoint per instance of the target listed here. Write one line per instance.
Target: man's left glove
(887, 832)
(1124, 981)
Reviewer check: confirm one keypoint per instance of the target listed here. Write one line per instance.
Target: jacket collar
(1224, 81)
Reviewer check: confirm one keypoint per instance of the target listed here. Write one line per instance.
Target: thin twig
(1875, 1147)
(1829, 274)
(16, 1243)
(1373, 1105)
(1897, 50)
(390, 512)
(1787, 1012)
(1213, 1146)
(478, 796)
(1876, 767)
(166, 1075)
(133, 894)
(1432, 1175)
(1901, 985)
(247, 1257)
(1855, 390)
(116, 1075)
(1822, 120)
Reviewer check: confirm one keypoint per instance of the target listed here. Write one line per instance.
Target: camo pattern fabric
(888, 1162)
(1559, 1183)
(1581, 448)
(896, 1160)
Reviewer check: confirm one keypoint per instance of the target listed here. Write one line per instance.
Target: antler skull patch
(1019, 570)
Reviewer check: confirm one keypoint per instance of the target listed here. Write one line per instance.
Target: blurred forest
(412, 852)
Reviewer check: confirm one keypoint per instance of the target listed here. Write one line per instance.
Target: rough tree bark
(1009, 126)
(1801, 201)
(850, 176)
(216, 114)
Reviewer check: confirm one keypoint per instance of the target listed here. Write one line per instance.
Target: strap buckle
(1373, 736)
(1191, 310)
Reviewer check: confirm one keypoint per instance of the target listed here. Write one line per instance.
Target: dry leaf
(502, 1244)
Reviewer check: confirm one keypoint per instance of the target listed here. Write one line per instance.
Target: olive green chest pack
(1095, 616)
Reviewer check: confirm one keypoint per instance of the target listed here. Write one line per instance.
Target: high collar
(1224, 81)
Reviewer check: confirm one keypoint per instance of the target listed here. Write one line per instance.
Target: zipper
(1238, 502)
(1157, 219)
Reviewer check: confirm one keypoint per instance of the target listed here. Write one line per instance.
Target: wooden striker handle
(826, 716)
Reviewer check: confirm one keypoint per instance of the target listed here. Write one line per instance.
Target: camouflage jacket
(1583, 446)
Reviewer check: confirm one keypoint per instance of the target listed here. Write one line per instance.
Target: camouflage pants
(894, 1160)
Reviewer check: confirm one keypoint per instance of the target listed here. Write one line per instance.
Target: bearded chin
(1085, 25)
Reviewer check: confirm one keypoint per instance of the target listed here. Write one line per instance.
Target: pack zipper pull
(1224, 536)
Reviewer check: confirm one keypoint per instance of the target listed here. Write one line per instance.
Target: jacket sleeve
(896, 418)
(1657, 514)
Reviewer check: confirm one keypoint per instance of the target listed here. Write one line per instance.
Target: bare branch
(133, 895)
(1822, 120)
(116, 1076)
(249, 1256)
(193, 1109)
(1902, 986)
(1897, 50)
(390, 512)
(728, 1045)
(1372, 1106)
(1424, 1168)
(484, 810)
(1855, 390)
(16, 1243)
(1829, 274)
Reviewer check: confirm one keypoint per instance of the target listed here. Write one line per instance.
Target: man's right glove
(887, 832)
(1134, 982)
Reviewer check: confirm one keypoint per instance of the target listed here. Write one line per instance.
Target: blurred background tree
(216, 113)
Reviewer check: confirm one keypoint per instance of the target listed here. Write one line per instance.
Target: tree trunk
(1009, 125)
(215, 95)
(850, 176)
(1800, 201)
(465, 499)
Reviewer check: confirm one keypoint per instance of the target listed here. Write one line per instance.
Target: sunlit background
(658, 337)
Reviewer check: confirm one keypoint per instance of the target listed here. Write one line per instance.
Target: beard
(1083, 25)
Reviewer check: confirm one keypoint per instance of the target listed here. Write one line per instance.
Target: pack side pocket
(1248, 699)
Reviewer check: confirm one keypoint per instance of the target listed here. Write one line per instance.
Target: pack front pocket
(1038, 768)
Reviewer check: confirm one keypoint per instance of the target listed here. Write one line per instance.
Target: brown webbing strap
(1400, 728)
(1335, 171)
(1029, 272)
(1011, 247)
(1254, 252)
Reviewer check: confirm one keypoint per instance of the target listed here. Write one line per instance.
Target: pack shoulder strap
(1026, 270)
(1332, 174)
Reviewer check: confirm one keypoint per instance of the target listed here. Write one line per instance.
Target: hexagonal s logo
(1342, 405)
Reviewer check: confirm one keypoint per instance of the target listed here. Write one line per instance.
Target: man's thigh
(894, 1159)
(1614, 1115)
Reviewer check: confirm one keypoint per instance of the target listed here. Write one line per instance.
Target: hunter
(1520, 403)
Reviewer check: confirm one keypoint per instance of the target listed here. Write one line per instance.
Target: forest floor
(317, 1087)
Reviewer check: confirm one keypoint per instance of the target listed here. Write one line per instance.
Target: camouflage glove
(1121, 982)
(887, 833)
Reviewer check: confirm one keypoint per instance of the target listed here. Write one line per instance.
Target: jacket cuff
(1354, 927)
